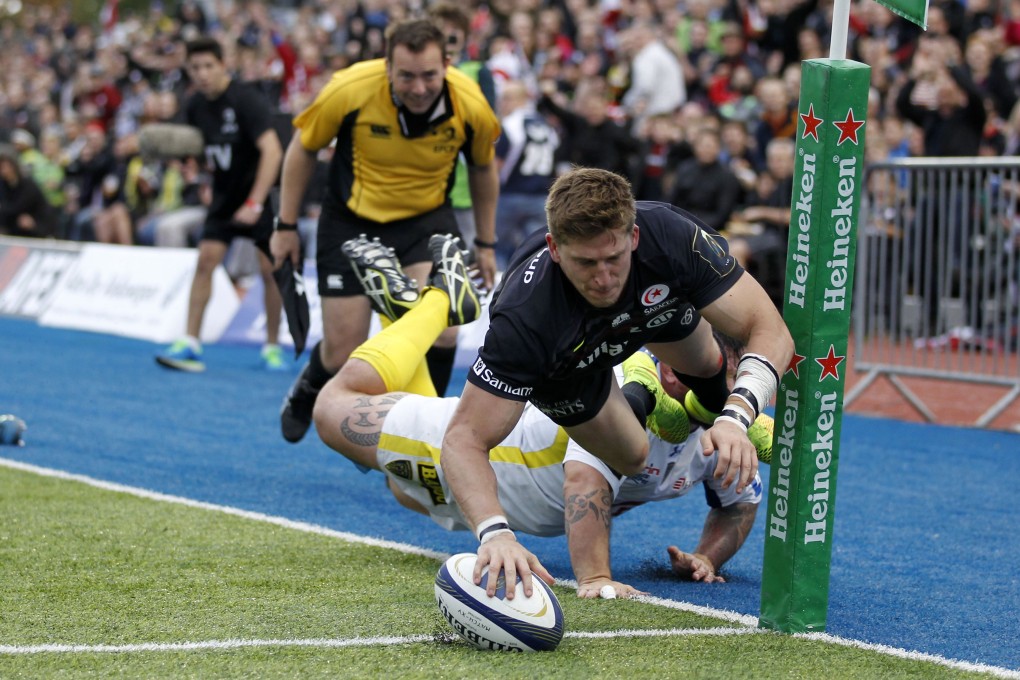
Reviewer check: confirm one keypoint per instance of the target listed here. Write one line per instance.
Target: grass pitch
(100, 583)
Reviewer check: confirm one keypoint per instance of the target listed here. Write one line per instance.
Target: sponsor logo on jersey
(653, 295)
(605, 348)
(621, 319)
(661, 320)
(429, 478)
(335, 282)
(229, 126)
(485, 374)
(530, 271)
(662, 305)
(680, 484)
(380, 130)
(220, 156)
(400, 468)
(448, 145)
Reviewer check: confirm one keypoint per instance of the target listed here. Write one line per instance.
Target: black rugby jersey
(542, 330)
(230, 125)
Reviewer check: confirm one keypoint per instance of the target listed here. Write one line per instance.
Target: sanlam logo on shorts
(485, 374)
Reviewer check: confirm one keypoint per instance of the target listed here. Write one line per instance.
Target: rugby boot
(668, 420)
(696, 411)
(760, 434)
(296, 412)
(391, 292)
(450, 275)
(273, 359)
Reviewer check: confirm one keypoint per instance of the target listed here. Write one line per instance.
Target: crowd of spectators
(682, 96)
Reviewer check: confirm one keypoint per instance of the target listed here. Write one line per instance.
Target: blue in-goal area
(925, 554)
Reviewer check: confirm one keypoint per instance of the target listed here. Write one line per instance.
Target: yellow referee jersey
(377, 172)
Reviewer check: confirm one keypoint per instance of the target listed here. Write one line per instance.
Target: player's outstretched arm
(724, 533)
(587, 501)
(481, 422)
(747, 313)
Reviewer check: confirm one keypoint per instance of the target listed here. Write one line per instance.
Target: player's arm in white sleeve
(589, 487)
(481, 421)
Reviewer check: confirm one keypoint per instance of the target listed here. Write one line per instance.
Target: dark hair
(204, 45)
(451, 13)
(587, 202)
(731, 347)
(415, 35)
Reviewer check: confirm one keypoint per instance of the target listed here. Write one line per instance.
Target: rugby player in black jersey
(610, 276)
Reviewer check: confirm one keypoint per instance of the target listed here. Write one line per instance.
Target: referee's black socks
(316, 372)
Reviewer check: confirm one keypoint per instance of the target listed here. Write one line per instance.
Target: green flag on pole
(912, 10)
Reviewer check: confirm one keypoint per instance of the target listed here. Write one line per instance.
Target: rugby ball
(523, 624)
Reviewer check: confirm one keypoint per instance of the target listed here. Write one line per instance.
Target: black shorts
(409, 239)
(227, 230)
(580, 398)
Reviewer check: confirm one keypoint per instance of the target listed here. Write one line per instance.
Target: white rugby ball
(523, 624)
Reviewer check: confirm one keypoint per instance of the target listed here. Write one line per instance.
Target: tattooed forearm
(596, 503)
(725, 531)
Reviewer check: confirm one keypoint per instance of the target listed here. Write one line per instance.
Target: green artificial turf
(85, 566)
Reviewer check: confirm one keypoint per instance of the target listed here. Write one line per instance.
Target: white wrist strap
(491, 525)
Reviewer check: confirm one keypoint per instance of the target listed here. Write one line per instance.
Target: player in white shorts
(547, 484)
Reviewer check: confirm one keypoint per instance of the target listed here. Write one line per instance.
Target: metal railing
(938, 275)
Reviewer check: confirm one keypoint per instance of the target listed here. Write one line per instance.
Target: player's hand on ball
(738, 459)
(607, 589)
(693, 566)
(503, 552)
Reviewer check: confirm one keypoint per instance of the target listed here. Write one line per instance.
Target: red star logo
(848, 128)
(795, 364)
(830, 364)
(811, 123)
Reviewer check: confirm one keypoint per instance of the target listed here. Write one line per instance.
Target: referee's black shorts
(409, 239)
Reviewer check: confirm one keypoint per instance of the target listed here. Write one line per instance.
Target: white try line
(750, 622)
(338, 642)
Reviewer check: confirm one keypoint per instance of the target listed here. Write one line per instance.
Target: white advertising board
(137, 292)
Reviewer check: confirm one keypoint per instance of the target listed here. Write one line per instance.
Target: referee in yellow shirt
(399, 124)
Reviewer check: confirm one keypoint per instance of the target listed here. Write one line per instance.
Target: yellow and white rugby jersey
(674, 469)
(528, 465)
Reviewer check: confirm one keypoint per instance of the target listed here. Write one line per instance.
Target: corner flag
(912, 10)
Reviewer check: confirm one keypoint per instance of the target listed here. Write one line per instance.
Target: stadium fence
(937, 278)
